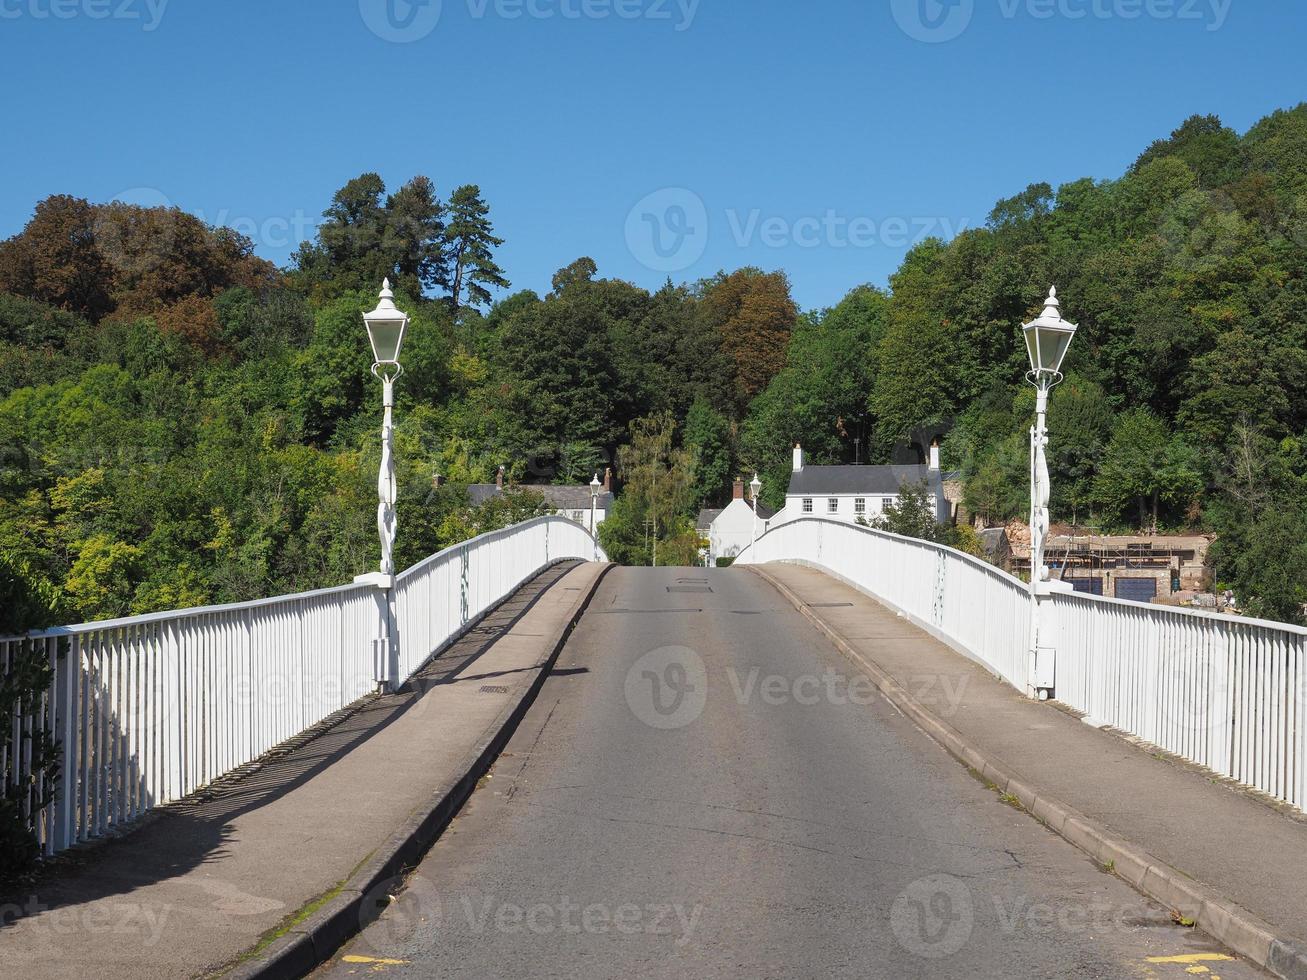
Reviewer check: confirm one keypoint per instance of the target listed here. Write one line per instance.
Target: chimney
(608, 480)
(738, 492)
(934, 456)
(798, 458)
(499, 478)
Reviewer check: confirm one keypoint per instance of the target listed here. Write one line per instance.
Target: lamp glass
(1047, 346)
(386, 333)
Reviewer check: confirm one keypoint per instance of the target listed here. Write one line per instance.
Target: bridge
(515, 758)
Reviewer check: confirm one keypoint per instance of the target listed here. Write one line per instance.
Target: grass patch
(1009, 800)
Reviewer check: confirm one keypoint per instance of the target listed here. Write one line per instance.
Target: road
(706, 788)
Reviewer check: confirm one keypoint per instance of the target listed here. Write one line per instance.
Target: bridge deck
(690, 797)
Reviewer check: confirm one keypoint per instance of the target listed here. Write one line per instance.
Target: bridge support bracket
(385, 649)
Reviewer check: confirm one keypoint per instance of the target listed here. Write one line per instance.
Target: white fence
(1226, 692)
(146, 710)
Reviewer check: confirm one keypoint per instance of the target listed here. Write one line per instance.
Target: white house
(730, 529)
(572, 502)
(846, 493)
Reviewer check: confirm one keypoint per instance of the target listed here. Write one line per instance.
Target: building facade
(850, 493)
(730, 530)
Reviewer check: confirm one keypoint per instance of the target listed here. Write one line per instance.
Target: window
(807, 505)
(888, 502)
(860, 505)
(833, 505)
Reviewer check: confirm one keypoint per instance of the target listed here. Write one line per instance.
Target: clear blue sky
(770, 114)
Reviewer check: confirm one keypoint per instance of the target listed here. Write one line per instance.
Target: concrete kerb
(313, 941)
(1220, 918)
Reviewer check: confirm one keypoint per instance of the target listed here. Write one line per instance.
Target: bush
(28, 602)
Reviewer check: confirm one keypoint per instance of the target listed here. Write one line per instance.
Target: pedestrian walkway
(204, 882)
(1251, 852)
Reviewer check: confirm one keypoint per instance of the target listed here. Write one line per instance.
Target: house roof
(994, 539)
(706, 518)
(558, 497)
(814, 480)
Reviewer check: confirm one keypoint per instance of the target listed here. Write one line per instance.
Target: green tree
(367, 237)
(658, 481)
(708, 443)
(1145, 467)
(468, 251)
(912, 515)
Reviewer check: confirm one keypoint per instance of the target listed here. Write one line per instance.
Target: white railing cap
(159, 617)
(1200, 614)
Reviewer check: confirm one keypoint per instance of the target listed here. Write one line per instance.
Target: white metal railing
(436, 599)
(979, 610)
(149, 709)
(1226, 692)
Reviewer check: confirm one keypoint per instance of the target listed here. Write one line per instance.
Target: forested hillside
(182, 423)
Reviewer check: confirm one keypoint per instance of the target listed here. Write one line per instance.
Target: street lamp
(1047, 339)
(595, 487)
(755, 487)
(386, 327)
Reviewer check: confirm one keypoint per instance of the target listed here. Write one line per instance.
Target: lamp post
(386, 326)
(1047, 339)
(595, 487)
(755, 487)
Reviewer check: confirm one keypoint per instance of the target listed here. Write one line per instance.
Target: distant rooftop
(558, 497)
(859, 479)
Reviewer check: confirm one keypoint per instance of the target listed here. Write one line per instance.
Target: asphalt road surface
(707, 788)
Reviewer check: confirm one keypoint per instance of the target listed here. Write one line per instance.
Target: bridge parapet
(148, 709)
(1226, 692)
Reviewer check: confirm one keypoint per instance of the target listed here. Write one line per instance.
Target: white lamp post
(386, 327)
(755, 487)
(1047, 339)
(595, 487)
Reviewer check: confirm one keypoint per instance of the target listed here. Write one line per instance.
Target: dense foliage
(182, 423)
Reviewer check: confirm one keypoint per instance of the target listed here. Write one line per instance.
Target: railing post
(384, 651)
(65, 705)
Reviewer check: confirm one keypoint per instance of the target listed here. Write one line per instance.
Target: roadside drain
(493, 689)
